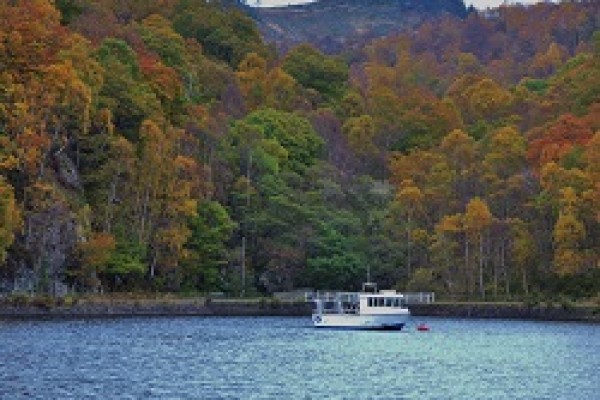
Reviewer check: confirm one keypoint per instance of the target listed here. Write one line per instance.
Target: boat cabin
(365, 302)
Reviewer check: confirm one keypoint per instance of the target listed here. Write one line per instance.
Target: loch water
(286, 358)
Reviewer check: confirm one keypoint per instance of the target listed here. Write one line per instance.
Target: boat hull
(363, 322)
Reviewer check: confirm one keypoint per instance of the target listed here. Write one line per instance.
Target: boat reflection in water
(368, 309)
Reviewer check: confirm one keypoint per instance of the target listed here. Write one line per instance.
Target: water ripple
(285, 358)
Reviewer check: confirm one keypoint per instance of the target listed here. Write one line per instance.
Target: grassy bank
(166, 304)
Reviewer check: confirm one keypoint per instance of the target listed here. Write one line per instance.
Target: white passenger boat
(369, 309)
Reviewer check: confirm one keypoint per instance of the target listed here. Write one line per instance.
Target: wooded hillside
(163, 145)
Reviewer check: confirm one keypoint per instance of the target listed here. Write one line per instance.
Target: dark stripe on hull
(364, 328)
(391, 327)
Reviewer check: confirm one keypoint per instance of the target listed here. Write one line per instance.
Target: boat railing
(331, 296)
(342, 310)
(409, 298)
(419, 298)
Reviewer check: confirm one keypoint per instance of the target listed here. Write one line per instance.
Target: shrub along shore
(24, 307)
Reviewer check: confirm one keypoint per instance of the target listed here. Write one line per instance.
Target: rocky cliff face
(333, 25)
(52, 228)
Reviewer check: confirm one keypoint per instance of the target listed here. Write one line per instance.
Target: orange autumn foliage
(553, 143)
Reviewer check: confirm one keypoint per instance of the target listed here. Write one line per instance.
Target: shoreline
(123, 308)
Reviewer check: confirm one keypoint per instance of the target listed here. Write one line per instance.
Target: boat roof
(382, 293)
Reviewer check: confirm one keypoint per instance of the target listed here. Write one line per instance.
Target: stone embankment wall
(509, 311)
(108, 308)
(148, 307)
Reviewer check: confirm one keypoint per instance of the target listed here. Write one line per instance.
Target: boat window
(388, 302)
(380, 302)
(370, 301)
(315, 306)
(396, 302)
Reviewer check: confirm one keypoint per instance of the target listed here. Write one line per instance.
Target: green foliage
(334, 261)
(314, 70)
(537, 86)
(579, 286)
(128, 259)
(574, 158)
(423, 280)
(159, 36)
(207, 246)
(69, 10)
(596, 43)
(577, 84)
(124, 92)
(136, 149)
(225, 33)
(116, 51)
(293, 133)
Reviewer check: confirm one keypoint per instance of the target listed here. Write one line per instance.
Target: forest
(164, 146)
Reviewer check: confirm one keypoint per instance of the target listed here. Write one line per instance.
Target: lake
(285, 358)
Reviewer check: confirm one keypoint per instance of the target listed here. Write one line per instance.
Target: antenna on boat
(368, 286)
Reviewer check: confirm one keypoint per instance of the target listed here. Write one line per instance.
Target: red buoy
(422, 328)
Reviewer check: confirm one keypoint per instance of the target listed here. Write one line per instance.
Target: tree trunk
(408, 246)
(153, 266)
(481, 288)
(467, 272)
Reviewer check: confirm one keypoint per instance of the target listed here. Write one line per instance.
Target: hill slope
(336, 24)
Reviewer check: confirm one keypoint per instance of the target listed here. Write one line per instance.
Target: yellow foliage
(450, 223)
(360, 132)
(567, 261)
(96, 252)
(459, 149)
(7, 159)
(420, 236)
(477, 217)
(251, 74)
(523, 247)
(409, 195)
(281, 90)
(10, 218)
(568, 231)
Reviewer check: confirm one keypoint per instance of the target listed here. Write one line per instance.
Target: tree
(360, 132)
(160, 37)
(31, 35)
(314, 70)
(290, 131)
(553, 143)
(569, 233)
(10, 218)
(444, 250)
(211, 229)
(225, 32)
(479, 98)
(270, 152)
(252, 73)
(409, 198)
(477, 219)
(592, 155)
(164, 198)
(95, 254)
(334, 261)
(504, 165)
(523, 250)
(124, 93)
(460, 154)
(281, 90)
(127, 264)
